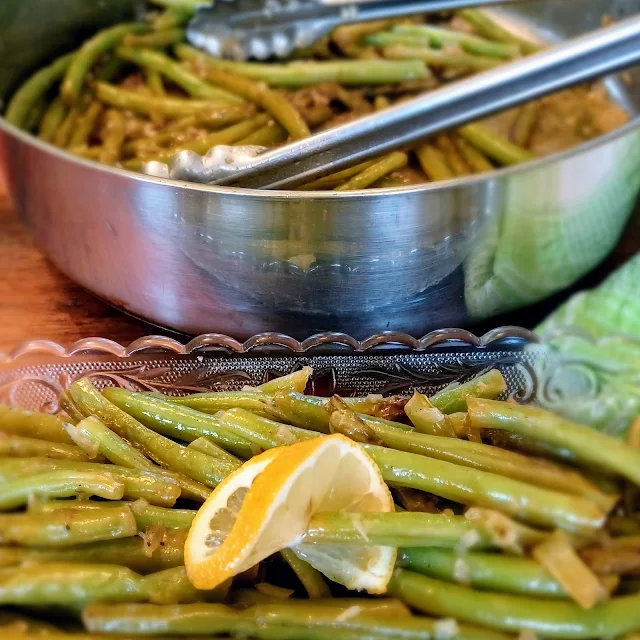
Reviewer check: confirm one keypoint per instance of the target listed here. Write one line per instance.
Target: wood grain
(37, 301)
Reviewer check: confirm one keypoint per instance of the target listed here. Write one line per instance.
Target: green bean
(53, 118)
(176, 73)
(526, 502)
(311, 578)
(172, 586)
(231, 135)
(427, 418)
(484, 457)
(91, 50)
(177, 421)
(552, 619)
(454, 159)
(439, 37)
(271, 101)
(433, 163)
(486, 27)
(144, 513)
(288, 621)
(129, 552)
(454, 397)
(34, 425)
(172, 17)
(109, 69)
(204, 445)
(525, 123)
(379, 169)
(85, 125)
(495, 146)
(158, 38)
(589, 447)
(335, 179)
(113, 137)
(171, 107)
(156, 487)
(65, 130)
(73, 416)
(28, 95)
(262, 432)
(417, 529)
(193, 464)
(69, 585)
(474, 158)
(252, 400)
(296, 381)
(300, 74)
(67, 527)
(435, 58)
(489, 571)
(58, 484)
(21, 447)
(272, 133)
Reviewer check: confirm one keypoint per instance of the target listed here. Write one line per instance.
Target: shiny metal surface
(199, 258)
(242, 29)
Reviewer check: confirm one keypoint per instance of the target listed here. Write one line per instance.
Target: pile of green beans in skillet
(509, 519)
(138, 92)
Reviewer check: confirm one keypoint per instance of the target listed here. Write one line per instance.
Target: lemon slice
(265, 506)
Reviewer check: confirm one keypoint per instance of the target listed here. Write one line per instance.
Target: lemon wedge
(265, 506)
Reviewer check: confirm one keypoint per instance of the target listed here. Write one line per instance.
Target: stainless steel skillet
(240, 261)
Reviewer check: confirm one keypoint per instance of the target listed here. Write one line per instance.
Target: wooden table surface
(37, 301)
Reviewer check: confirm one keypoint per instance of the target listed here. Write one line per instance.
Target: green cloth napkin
(592, 372)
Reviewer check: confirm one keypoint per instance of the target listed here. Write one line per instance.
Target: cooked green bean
(300, 74)
(490, 571)
(288, 621)
(272, 133)
(28, 95)
(311, 578)
(486, 27)
(158, 38)
(53, 118)
(454, 397)
(21, 447)
(485, 458)
(65, 130)
(113, 137)
(144, 513)
(156, 487)
(433, 163)
(296, 382)
(172, 586)
(474, 158)
(588, 446)
(259, 93)
(171, 107)
(176, 73)
(129, 552)
(67, 526)
(34, 425)
(413, 529)
(525, 123)
(193, 464)
(335, 179)
(526, 502)
(453, 158)
(435, 58)
(552, 619)
(229, 135)
(440, 37)
(379, 169)
(85, 125)
(205, 445)
(177, 421)
(69, 585)
(58, 484)
(102, 42)
(495, 146)
(255, 401)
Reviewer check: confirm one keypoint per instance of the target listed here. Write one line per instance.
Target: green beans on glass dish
(137, 92)
(96, 505)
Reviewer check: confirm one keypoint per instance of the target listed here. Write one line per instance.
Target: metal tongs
(596, 54)
(261, 29)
